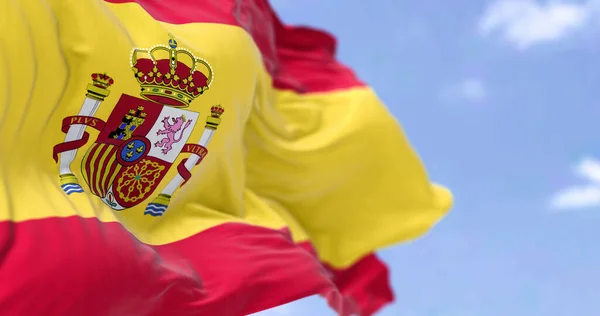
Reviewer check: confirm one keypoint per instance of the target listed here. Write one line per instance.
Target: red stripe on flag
(298, 58)
(90, 171)
(365, 285)
(110, 170)
(75, 266)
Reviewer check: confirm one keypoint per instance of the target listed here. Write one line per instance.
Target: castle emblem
(142, 137)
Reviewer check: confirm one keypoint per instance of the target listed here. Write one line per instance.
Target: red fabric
(364, 286)
(73, 266)
(298, 58)
(86, 267)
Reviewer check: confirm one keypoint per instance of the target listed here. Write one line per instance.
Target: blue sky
(500, 98)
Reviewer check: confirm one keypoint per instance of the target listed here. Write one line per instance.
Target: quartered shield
(134, 151)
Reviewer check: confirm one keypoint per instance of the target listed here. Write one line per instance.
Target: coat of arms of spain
(142, 138)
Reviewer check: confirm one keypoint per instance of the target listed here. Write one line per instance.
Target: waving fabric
(192, 157)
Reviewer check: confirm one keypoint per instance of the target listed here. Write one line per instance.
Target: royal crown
(98, 89)
(102, 80)
(215, 117)
(216, 111)
(168, 80)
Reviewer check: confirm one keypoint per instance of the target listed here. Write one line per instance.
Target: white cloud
(471, 89)
(581, 196)
(589, 168)
(524, 23)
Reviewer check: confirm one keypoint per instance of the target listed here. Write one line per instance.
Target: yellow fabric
(335, 167)
(55, 70)
(354, 183)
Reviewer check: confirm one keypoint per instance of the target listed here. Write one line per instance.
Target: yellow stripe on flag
(354, 182)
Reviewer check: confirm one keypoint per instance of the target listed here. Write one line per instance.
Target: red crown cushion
(145, 66)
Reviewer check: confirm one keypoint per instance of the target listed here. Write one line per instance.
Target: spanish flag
(187, 157)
